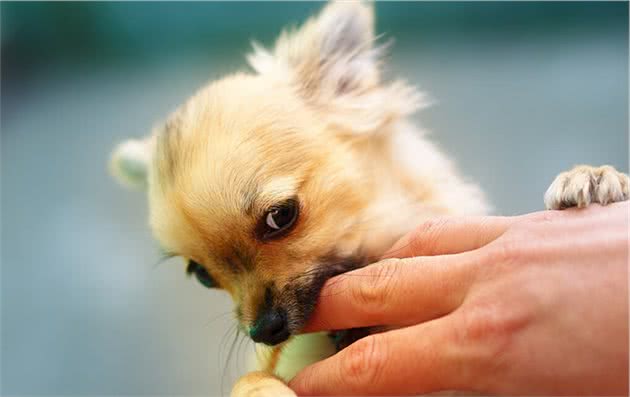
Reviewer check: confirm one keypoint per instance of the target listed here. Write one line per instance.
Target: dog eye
(279, 219)
(201, 274)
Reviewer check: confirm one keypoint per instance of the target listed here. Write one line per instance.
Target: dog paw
(584, 185)
(261, 384)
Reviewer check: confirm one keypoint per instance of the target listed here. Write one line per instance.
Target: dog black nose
(271, 327)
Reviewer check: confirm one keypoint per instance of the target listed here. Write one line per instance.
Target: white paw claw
(584, 185)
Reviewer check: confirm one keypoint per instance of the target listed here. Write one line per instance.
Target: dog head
(265, 182)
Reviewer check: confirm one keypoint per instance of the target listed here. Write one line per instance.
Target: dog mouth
(285, 313)
(303, 291)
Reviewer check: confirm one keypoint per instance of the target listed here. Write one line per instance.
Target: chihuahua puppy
(269, 183)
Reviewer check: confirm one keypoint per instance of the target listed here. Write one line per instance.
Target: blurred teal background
(522, 91)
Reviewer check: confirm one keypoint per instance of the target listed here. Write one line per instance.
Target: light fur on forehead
(334, 64)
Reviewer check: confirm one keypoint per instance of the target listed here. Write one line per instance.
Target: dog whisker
(229, 357)
(218, 316)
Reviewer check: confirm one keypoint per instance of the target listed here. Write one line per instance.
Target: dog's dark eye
(201, 274)
(279, 220)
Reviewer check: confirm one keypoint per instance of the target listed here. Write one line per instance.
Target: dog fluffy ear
(333, 51)
(334, 63)
(130, 161)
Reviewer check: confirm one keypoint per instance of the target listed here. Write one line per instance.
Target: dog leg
(584, 185)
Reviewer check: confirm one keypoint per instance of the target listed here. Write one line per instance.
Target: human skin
(527, 305)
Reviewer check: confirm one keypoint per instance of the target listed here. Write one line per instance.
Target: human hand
(534, 304)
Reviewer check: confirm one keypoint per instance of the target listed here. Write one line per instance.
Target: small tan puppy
(269, 183)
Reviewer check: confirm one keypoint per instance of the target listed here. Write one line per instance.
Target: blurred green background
(522, 91)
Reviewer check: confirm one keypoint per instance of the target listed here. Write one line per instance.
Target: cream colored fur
(316, 121)
(584, 185)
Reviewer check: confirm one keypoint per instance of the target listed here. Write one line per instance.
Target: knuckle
(372, 291)
(479, 323)
(428, 235)
(541, 217)
(490, 331)
(363, 361)
(509, 251)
